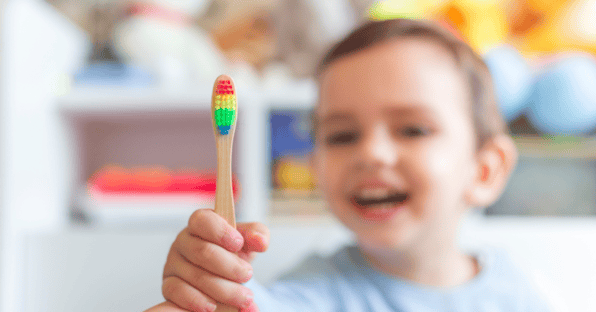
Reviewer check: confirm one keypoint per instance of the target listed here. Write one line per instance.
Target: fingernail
(260, 237)
(210, 307)
(248, 297)
(233, 240)
(249, 274)
(238, 242)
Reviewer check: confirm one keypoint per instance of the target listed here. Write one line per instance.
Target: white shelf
(102, 104)
(109, 100)
(298, 95)
(97, 100)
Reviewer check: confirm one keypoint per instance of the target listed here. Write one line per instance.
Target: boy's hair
(487, 118)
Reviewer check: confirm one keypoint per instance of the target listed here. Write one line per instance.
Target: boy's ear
(494, 164)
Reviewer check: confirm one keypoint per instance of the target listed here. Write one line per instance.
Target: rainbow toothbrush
(223, 111)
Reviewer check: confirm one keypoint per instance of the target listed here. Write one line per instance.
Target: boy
(408, 137)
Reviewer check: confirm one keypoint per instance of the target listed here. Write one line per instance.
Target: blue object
(512, 78)
(346, 282)
(223, 129)
(564, 97)
(290, 133)
(113, 74)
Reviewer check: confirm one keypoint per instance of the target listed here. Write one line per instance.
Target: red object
(224, 87)
(120, 181)
(158, 12)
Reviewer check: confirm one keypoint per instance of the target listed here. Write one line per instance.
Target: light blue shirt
(345, 282)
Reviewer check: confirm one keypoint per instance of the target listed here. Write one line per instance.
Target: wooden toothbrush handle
(225, 308)
(224, 195)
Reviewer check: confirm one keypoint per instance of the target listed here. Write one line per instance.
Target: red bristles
(224, 87)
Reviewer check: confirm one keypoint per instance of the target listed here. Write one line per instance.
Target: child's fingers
(256, 236)
(184, 296)
(208, 225)
(247, 256)
(212, 258)
(215, 287)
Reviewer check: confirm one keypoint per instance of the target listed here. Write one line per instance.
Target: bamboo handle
(224, 195)
(225, 308)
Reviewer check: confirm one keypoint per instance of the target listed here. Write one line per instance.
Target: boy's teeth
(374, 193)
(379, 198)
(382, 206)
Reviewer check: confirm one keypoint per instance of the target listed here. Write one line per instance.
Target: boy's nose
(379, 148)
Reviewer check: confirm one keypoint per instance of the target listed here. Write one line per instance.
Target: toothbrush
(223, 113)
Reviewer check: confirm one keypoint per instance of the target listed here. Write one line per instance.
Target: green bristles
(225, 116)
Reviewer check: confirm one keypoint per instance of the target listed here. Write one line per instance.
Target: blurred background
(107, 145)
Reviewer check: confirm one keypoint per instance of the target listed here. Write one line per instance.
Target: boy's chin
(396, 240)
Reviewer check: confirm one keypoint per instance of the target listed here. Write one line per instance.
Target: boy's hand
(208, 261)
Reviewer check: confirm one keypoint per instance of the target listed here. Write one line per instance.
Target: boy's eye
(342, 138)
(415, 131)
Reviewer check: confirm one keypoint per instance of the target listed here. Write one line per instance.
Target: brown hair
(487, 119)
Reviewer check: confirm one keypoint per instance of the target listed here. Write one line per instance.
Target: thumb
(256, 236)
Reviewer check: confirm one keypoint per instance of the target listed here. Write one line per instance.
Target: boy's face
(395, 143)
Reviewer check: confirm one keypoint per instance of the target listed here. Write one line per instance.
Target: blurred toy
(292, 173)
(161, 35)
(291, 145)
(483, 24)
(243, 30)
(262, 35)
(104, 66)
(383, 10)
(564, 97)
(542, 27)
(512, 77)
(313, 28)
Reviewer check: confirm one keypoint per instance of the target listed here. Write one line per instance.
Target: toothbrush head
(223, 105)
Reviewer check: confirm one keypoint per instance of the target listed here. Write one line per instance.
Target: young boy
(408, 137)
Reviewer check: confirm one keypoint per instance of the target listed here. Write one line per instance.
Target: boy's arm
(308, 287)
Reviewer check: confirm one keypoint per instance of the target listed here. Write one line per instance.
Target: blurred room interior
(101, 97)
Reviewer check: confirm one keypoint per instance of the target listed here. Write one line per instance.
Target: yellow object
(550, 6)
(294, 175)
(566, 25)
(483, 24)
(390, 9)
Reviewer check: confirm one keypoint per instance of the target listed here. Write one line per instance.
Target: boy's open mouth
(379, 198)
(379, 204)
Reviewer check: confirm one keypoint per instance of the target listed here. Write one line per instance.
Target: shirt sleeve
(308, 288)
